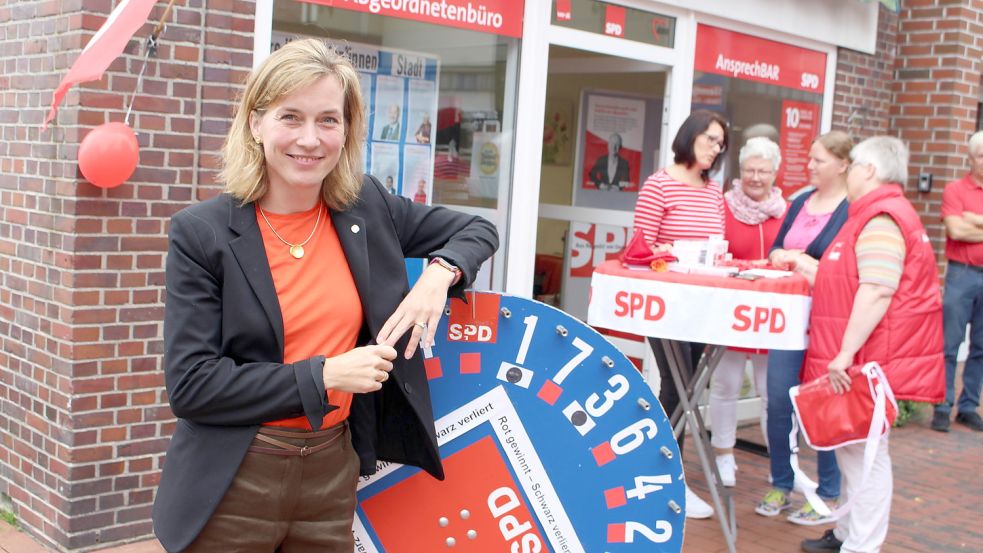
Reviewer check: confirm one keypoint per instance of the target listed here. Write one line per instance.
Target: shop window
(439, 128)
(600, 17)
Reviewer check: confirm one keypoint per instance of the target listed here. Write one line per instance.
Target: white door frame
(538, 35)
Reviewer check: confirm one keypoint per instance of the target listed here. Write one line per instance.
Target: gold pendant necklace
(296, 250)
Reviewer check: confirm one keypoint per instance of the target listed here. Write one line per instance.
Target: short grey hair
(762, 147)
(975, 141)
(887, 155)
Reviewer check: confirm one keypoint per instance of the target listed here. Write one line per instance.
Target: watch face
(550, 440)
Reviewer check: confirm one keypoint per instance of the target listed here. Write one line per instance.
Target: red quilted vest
(908, 341)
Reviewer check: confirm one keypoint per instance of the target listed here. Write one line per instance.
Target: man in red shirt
(962, 214)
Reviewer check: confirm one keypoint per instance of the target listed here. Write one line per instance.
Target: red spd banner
(709, 314)
(498, 17)
(592, 245)
(750, 58)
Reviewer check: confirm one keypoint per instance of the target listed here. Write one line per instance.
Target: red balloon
(108, 155)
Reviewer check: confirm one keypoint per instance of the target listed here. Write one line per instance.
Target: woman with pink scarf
(754, 209)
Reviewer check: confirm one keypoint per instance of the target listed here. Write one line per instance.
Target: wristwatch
(447, 265)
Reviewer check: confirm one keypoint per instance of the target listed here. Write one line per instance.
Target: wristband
(447, 265)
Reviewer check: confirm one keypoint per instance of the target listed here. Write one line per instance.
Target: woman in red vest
(753, 213)
(876, 298)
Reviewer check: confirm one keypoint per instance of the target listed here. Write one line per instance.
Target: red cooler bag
(830, 420)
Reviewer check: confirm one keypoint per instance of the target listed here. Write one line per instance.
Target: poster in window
(416, 173)
(557, 132)
(421, 102)
(388, 104)
(385, 165)
(800, 123)
(611, 142)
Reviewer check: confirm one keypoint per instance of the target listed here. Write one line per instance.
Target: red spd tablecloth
(765, 313)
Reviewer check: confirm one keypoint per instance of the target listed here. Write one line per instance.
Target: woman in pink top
(754, 211)
(681, 202)
(812, 222)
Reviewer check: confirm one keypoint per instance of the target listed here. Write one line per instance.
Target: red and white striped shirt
(670, 210)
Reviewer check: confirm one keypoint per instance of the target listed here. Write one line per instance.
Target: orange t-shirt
(319, 303)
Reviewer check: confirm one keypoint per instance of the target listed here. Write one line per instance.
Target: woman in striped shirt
(681, 202)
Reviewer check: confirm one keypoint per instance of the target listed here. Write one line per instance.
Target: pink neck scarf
(751, 212)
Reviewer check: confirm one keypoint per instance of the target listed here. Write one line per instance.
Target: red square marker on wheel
(432, 366)
(470, 363)
(550, 392)
(616, 533)
(615, 497)
(603, 454)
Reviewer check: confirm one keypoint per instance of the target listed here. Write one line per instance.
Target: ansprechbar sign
(750, 58)
(499, 17)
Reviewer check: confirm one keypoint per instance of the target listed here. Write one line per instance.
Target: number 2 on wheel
(625, 532)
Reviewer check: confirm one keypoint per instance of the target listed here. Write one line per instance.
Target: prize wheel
(550, 441)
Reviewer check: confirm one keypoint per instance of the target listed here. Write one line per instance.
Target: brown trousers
(288, 504)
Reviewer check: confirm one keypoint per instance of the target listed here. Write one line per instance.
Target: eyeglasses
(717, 141)
(759, 173)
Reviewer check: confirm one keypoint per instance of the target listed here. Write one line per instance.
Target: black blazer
(223, 343)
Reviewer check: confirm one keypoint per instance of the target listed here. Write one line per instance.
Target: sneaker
(971, 419)
(774, 502)
(940, 422)
(826, 543)
(696, 507)
(807, 516)
(727, 467)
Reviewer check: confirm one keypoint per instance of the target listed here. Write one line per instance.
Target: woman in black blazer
(300, 250)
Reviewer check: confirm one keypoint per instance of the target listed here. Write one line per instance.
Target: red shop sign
(498, 17)
(750, 58)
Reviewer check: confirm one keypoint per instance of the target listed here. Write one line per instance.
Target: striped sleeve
(880, 252)
(650, 209)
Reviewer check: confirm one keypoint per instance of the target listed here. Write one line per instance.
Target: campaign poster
(385, 165)
(417, 181)
(421, 102)
(388, 109)
(612, 142)
(800, 124)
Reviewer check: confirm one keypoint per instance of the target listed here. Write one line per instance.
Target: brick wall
(936, 93)
(83, 415)
(862, 98)
(923, 86)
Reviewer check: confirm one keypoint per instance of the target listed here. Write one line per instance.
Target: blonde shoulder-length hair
(294, 66)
